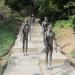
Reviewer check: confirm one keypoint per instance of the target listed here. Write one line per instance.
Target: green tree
(18, 4)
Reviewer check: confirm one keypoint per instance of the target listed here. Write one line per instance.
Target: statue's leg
(30, 33)
(33, 23)
(44, 39)
(23, 44)
(26, 45)
(46, 58)
(50, 58)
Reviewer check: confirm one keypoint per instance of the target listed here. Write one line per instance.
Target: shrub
(73, 53)
(63, 24)
(8, 30)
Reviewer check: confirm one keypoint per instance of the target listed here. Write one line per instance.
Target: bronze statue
(44, 27)
(32, 19)
(25, 32)
(50, 37)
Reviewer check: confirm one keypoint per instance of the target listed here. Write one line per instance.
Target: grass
(60, 27)
(8, 31)
(73, 54)
(62, 24)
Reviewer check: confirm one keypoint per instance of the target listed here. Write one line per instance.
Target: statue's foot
(47, 67)
(30, 38)
(25, 54)
(50, 68)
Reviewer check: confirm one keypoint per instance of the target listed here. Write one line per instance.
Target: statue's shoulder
(53, 33)
(47, 33)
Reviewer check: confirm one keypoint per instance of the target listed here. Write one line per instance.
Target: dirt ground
(66, 41)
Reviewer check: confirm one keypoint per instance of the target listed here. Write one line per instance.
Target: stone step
(63, 69)
(23, 70)
(20, 60)
(34, 42)
(57, 58)
(35, 36)
(36, 31)
(30, 50)
(31, 45)
(38, 35)
(37, 39)
(37, 27)
(19, 64)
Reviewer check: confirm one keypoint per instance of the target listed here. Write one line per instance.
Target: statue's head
(27, 21)
(32, 15)
(45, 19)
(50, 27)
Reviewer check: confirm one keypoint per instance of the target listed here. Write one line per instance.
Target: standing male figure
(32, 20)
(25, 32)
(50, 38)
(31, 23)
(44, 27)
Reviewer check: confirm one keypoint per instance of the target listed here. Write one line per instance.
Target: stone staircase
(34, 62)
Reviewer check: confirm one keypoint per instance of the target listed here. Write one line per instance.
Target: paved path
(34, 62)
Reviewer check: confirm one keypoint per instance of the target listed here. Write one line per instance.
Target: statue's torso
(50, 37)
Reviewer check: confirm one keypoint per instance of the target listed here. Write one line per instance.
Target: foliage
(4, 10)
(50, 8)
(62, 24)
(73, 53)
(72, 18)
(8, 30)
(10, 22)
(42, 7)
(18, 4)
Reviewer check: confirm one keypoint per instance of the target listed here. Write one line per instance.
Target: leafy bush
(8, 30)
(4, 10)
(63, 24)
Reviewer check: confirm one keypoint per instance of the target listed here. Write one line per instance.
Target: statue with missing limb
(31, 23)
(50, 37)
(25, 32)
(44, 27)
(30, 27)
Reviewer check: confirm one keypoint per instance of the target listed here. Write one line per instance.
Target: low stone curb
(71, 60)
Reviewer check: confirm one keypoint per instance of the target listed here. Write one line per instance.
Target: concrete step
(63, 69)
(20, 60)
(38, 35)
(37, 39)
(57, 58)
(30, 50)
(31, 45)
(26, 65)
(37, 42)
(23, 70)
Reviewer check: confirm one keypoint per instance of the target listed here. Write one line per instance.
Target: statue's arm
(21, 35)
